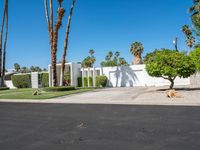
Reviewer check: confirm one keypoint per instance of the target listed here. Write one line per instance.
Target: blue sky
(102, 25)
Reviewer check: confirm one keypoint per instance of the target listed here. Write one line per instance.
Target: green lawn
(27, 94)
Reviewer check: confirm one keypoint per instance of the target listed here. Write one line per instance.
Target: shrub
(60, 88)
(4, 88)
(79, 80)
(86, 81)
(45, 79)
(195, 56)
(101, 81)
(21, 81)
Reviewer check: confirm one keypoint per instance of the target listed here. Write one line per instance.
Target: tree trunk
(137, 60)
(1, 36)
(53, 34)
(5, 44)
(66, 45)
(172, 84)
(2, 67)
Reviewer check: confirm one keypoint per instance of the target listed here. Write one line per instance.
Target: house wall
(136, 75)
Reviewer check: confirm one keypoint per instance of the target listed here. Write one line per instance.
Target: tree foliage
(195, 56)
(195, 13)
(169, 64)
(190, 40)
(113, 60)
(89, 60)
(137, 49)
(17, 67)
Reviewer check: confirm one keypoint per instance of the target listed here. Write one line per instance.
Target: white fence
(135, 75)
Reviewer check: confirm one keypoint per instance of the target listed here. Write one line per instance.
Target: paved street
(98, 127)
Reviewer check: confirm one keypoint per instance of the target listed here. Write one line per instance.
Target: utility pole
(175, 42)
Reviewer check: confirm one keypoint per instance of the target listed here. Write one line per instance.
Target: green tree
(90, 60)
(137, 50)
(169, 64)
(24, 70)
(195, 56)
(17, 67)
(111, 61)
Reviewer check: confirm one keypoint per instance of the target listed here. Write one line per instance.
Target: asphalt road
(98, 127)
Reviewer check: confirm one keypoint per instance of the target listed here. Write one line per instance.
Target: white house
(124, 76)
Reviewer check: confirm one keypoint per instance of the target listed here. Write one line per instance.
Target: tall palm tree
(92, 58)
(91, 52)
(110, 54)
(195, 13)
(137, 50)
(3, 44)
(190, 40)
(53, 32)
(66, 43)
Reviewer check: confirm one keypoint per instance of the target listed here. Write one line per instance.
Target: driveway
(98, 127)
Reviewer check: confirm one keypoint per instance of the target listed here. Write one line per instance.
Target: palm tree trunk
(53, 34)
(66, 44)
(1, 36)
(5, 44)
(137, 59)
(5, 14)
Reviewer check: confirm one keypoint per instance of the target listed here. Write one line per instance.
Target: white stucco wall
(125, 76)
(9, 84)
(136, 75)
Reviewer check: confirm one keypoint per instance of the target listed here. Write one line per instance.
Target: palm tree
(91, 52)
(122, 61)
(117, 54)
(17, 67)
(190, 40)
(110, 54)
(53, 33)
(195, 13)
(137, 50)
(66, 42)
(3, 44)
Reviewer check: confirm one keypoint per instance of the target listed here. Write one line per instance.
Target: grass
(27, 93)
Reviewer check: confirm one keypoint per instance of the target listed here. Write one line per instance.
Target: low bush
(59, 88)
(79, 80)
(4, 88)
(45, 79)
(101, 81)
(21, 81)
(86, 82)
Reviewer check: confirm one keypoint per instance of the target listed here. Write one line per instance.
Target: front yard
(27, 94)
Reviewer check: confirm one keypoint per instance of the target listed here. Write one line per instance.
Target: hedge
(101, 81)
(59, 88)
(21, 81)
(45, 79)
(4, 88)
(86, 81)
(79, 80)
